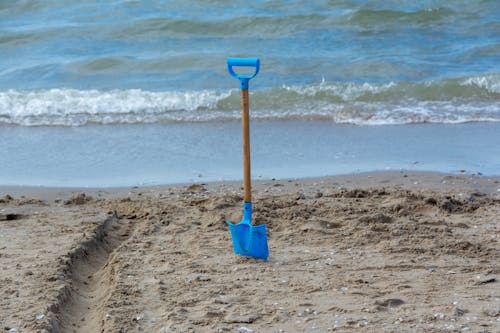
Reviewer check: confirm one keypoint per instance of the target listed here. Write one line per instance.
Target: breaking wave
(470, 99)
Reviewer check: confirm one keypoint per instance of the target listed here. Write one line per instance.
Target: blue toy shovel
(248, 240)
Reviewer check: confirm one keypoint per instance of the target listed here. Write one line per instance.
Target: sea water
(130, 92)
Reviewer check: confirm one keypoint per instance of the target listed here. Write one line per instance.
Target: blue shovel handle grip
(243, 62)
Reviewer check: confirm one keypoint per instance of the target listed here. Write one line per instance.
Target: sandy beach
(375, 252)
(375, 165)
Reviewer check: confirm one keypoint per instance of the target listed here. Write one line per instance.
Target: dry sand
(379, 252)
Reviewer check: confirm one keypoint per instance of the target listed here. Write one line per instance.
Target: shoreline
(412, 180)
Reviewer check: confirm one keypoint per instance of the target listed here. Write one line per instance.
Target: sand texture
(387, 252)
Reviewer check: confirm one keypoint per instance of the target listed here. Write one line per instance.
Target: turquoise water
(78, 67)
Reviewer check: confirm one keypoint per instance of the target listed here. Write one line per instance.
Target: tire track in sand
(90, 280)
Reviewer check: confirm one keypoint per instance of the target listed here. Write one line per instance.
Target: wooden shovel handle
(245, 123)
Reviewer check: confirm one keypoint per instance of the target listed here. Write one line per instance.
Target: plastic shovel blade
(249, 240)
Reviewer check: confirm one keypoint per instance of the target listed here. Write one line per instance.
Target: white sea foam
(491, 83)
(435, 112)
(346, 92)
(69, 107)
(452, 101)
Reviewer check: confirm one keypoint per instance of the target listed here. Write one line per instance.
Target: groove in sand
(90, 280)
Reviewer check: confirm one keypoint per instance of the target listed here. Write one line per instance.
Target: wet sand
(380, 252)
(152, 154)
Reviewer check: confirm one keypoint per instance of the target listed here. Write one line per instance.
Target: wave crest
(448, 101)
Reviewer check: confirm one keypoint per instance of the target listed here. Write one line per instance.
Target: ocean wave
(374, 18)
(476, 87)
(489, 83)
(457, 100)
(281, 25)
(247, 25)
(70, 107)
